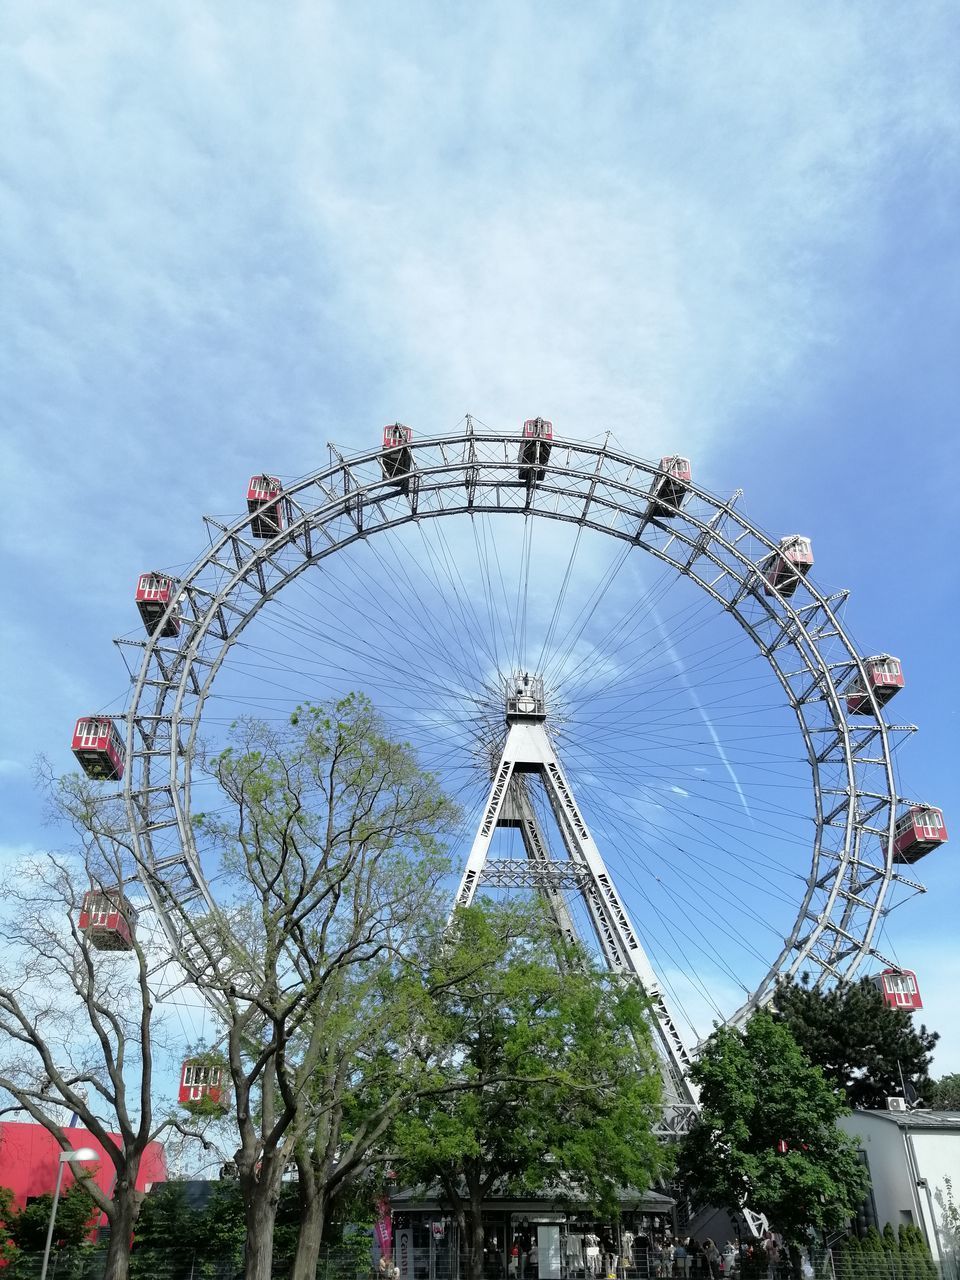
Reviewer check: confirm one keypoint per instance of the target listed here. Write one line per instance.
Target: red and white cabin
(154, 593)
(202, 1080)
(396, 435)
(898, 988)
(918, 831)
(884, 680)
(783, 569)
(535, 448)
(669, 490)
(266, 506)
(108, 920)
(396, 460)
(99, 748)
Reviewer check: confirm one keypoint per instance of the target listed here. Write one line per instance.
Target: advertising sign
(405, 1253)
(383, 1228)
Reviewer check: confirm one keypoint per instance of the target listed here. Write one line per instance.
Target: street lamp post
(71, 1157)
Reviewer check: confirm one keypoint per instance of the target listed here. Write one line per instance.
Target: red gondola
(203, 1082)
(535, 448)
(268, 509)
(783, 569)
(99, 748)
(899, 988)
(669, 490)
(918, 831)
(108, 920)
(396, 460)
(154, 593)
(884, 680)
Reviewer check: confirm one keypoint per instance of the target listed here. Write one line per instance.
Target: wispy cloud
(677, 661)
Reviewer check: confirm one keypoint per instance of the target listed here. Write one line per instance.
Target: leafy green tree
(179, 1241)
(757, 1092)
(862, 1045)
(330, 846)
(553, 1073)
(944, 1094)
(75, 1211)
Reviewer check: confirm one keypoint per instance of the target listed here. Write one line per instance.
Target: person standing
(681, 1258)
(712, 1256)
(666, 1259)
(729, 1259)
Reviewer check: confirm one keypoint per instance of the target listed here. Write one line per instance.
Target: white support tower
(528, 751)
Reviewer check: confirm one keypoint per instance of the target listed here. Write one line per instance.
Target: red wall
(29, 1157)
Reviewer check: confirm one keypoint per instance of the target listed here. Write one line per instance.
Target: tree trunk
(475, 1239)
(122, 1221)
(312, 1217)
(261, 1216)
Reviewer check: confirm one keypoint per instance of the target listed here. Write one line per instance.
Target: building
(426, 1245)
(29, 1156)
(913, 1158)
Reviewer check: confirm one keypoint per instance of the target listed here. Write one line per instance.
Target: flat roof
(920, 1119)
(555, 1198)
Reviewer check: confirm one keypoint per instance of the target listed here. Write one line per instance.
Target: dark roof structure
(556, 1196)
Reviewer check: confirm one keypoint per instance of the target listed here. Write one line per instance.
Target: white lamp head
(81, 1153)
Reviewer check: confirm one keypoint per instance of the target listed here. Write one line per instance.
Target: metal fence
(173, 1264)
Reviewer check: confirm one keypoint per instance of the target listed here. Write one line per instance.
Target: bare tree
(77, 1033)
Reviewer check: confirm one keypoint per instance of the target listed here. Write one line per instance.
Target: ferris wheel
(683, 752)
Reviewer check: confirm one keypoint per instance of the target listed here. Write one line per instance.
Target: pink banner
(383, 1227)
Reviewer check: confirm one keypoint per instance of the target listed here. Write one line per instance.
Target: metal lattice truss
(705, 539)
(529, 751)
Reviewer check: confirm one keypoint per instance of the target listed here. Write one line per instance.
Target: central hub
(525, 700)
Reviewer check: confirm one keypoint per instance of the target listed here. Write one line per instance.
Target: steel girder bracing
(529, 752)
(539, 870)
(703, 538)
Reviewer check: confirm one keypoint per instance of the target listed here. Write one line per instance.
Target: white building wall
(907, 1169)
(894, 1191)
(937, 1160)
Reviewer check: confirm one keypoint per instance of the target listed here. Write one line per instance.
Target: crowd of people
(684, 1258)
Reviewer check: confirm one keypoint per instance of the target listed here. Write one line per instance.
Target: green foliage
(911, 1264)
(944, 1094)
(550, 1063)
(8, 1211)
(75, 1211)
(949, 1217)
(23, 1232)
(891, 1249)
(756, 1090)
(859, 1042)
(176, 1241)
(853, 1257)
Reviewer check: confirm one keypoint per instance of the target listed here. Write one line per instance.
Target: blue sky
(231, 236)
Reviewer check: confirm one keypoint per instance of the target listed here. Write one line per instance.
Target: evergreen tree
(862, 1045)
(891, 1247)
(874, 1255)
(945, 1093)
(843, 1260)
(907, 1256)
(858, 1269)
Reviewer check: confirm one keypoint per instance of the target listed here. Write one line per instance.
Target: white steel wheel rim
(707, 540)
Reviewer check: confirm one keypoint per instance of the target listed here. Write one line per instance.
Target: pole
(53, 1218)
